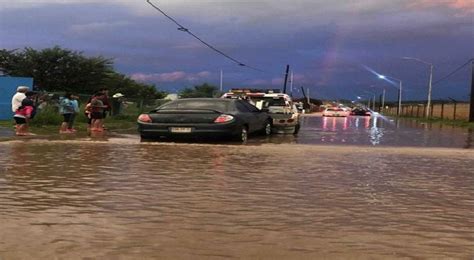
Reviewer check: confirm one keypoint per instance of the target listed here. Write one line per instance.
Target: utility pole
(221, 81)
(291, 84)
(428, 103)
(373, 105)
(383, 100)
(286, 78)
(399, 109)
(471, 106)
(307, 90)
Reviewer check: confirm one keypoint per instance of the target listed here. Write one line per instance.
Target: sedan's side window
(241, 107)
(250, 107)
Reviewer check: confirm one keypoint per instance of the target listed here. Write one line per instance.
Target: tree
(119, 83)
(59, 70)
(204, 90)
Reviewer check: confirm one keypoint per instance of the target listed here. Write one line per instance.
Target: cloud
(175, 76)
(258, 82)
(96, 26)
(464, 7)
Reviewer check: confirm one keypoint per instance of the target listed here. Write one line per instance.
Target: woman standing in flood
(66, 109)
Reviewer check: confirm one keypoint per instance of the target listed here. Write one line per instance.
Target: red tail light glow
(223, 118)
(144, 118)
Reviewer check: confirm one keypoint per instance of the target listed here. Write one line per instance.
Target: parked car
(282, 110)
(358, 111)
(335, 111)
(204, 117)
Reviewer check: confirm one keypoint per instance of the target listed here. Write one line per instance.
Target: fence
(451, 111)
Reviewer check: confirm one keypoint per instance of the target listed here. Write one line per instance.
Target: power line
(452, 73)
(186, 30)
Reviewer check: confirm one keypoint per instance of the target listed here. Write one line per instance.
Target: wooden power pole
(286, 78)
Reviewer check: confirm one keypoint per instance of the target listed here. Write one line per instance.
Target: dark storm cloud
(326, 42)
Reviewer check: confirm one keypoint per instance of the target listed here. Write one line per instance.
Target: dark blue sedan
(204, 117)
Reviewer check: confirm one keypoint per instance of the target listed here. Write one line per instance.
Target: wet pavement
(112, 196)
(353, 130)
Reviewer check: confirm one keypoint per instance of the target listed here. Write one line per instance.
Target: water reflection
(125, 199)
(379, 130)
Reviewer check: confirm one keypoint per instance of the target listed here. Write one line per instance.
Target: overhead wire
(186, 30)
(453, 72)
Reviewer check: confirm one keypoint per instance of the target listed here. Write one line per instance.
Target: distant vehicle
(204, 117)
(358, 111)
(335, 111)
(280, 107)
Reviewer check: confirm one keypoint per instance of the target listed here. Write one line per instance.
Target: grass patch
(48, 120)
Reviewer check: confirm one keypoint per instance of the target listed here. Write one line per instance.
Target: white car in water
(280, 107)
(336, 111)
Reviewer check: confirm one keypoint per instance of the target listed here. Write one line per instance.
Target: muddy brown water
(117, 198)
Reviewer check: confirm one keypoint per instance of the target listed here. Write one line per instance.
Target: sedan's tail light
(144, 118)
(224, 118)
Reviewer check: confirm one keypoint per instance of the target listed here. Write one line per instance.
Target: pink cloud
(277, 81)
(464, 6)
(204, 74)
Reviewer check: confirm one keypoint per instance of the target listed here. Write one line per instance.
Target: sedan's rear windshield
(270, 101)
(215, 105)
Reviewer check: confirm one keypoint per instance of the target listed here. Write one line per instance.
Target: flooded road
(109, 198)
(375, 131)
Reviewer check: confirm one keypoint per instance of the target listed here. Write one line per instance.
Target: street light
(368, 99)
(428, 103)
(399, 109)
(382, 103)
(373, 103)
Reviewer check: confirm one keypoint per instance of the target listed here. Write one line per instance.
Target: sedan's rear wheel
(243, 135)
(268, 128)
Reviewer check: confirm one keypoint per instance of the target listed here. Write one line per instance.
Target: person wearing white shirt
(18, 97)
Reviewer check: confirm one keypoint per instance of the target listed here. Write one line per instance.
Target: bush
(49, 115)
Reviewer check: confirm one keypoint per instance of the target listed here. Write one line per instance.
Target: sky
(329, 44)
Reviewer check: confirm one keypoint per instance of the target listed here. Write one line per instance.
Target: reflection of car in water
(204, 117)
(358, 111)
(285, 115)
(335, 111)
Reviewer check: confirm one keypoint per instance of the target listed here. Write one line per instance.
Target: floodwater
(375, 131)
(114, 197)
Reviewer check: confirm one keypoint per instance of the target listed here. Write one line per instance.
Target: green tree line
(199, 91)
(62, 70)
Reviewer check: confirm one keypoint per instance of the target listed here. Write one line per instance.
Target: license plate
(180, 129)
